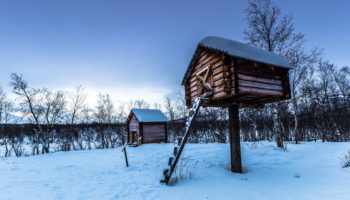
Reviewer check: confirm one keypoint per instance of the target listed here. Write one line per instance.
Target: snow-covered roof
(149, 115)
(240, 50)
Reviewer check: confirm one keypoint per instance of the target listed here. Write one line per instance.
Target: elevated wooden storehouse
(226, 73)
(230, 72)
(146, 126)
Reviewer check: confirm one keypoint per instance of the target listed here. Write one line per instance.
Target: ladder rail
(193, 112)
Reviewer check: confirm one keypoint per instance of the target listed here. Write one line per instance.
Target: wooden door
(134, 137)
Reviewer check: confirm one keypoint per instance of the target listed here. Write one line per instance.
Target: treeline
(61, 121)
(23, 139)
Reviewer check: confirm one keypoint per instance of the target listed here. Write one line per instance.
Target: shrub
(184, 170)
(346, 160)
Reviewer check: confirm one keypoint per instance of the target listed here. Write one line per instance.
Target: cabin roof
(237, 49)
(148, 115)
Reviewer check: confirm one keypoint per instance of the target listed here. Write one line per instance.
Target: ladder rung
(175, 151)
(170, 161)
(179, 140)
(165, 171)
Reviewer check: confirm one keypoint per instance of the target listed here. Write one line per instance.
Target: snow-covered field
(305, 171)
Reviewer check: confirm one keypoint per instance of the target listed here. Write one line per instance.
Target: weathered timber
(141, 134)
(193, 89)
(235, 143)
(219, 95)
(125, 155)
(211, 62)
(208, 60)
(257, 79)
(259, 85)
(219, 82)
(217, 62)
(214, 66)
(259, 91)
(154, 133)
(203, 82)
(218, 77)
(203, 55)
(260, 75)
(286, 84)
(219, 89)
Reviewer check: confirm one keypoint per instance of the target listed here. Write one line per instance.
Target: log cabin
(230, 72)
(146, 126)
(225, 73)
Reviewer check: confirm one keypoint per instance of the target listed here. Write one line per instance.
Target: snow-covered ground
(305, 171)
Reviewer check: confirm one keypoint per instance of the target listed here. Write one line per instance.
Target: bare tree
(270, 30)
(303, 66)
(138, 104)
(53, 106)
(105, 116)
(77, 100)
(87, 114)
(181, 107)
(170, 108)
(87, 134)
(157, 106)
(2, 102)
(217, 124)
(75, 105)
(342, 79)
(7, 109)
(31, 107)
(120, 113)
(3, 112)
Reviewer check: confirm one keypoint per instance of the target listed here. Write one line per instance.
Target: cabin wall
(154, 132)
(218, 78)
(134, 125)
(261, 83)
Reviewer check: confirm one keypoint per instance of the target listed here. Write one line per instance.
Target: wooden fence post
(126, 156)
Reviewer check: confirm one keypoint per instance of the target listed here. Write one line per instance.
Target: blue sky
(139, 49)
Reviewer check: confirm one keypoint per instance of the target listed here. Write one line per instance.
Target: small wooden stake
(235, 143)
(126, 156)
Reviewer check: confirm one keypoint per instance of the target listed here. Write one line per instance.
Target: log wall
(259, 79)
(218, 77)
(153, 133)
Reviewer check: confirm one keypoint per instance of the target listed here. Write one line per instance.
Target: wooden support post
(235, 143)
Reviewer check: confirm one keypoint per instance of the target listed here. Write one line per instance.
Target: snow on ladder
(181, 141)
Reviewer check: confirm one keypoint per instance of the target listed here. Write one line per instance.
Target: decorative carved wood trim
(204, 83)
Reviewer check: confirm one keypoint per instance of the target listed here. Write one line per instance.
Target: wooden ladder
(167, 172)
